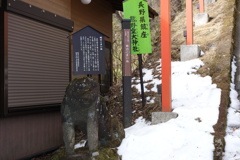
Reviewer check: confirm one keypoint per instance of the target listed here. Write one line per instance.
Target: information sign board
(137, 12)
(88, 52)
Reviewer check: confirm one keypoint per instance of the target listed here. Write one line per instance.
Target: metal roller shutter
(38, 62)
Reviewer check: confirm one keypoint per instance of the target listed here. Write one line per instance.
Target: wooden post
(165, 22)
(189, 15)
(141, 80)
(126, 74)
(201, 6)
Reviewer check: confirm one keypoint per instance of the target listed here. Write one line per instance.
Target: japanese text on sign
(126, 53)
(89, 52)
(89, 47)
(137, 12)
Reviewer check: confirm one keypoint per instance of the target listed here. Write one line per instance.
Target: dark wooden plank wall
(23, 136)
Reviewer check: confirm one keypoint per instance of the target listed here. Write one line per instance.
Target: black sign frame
(88, 52)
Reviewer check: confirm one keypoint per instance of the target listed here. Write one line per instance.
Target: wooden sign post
(165, 20)
(137, 12)
(126, 75)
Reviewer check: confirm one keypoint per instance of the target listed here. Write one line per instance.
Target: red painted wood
(165, 20)
(201, 6)
(189, 15)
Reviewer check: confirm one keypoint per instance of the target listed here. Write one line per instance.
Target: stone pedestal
(189, 52)
(201, 19)
(161, 117)
(209, 1)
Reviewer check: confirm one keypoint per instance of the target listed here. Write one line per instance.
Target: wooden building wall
(59, 7)
(26, 135)
(97, 14)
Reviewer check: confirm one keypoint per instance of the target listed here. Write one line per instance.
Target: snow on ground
(232, 151)
(148, 76)
(188, 137)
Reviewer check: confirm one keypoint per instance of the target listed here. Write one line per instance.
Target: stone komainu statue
(80, 109)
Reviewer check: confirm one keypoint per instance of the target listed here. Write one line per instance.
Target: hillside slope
(216, 41)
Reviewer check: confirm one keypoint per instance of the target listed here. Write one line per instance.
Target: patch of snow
(80, 144)
(188, 137)
(232, 137)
